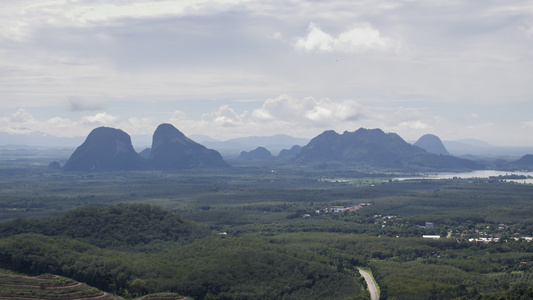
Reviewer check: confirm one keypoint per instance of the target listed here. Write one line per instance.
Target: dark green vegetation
(163, 296)
(372, 149)
(224, 268)
(122, 226)
(255, 233)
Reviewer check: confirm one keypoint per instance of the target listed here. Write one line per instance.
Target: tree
(139, 286)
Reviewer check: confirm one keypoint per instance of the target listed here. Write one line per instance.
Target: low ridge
(524, 163)
(259, 153)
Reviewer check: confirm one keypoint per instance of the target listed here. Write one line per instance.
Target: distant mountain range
(233, 147)
(37, 139)
(277, 145)
(110, 149)
(261, 155)
(373, 149)
(472, 147)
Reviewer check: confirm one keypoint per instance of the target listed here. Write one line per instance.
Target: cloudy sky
(225, 69)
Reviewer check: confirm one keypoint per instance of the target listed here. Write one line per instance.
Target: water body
(475, 174)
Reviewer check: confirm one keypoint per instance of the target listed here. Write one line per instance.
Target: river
(474, 174)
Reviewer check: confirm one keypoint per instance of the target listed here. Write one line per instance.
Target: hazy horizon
(139, 142)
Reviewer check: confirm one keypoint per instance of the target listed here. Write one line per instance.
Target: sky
(227, 69)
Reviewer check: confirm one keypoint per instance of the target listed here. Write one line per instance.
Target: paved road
(374, 294)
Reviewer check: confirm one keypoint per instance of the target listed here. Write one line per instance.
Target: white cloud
(328, 112)
(308, 111)
(316, 39)
(319, 114)
(21, 116)
(139, 125)
(358, 39)
(20, 122)
(304, 117)
(225, 116)
(178, 115)
(417, 124)
(99, 119)
(282, 107)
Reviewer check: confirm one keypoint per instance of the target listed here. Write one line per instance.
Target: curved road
(372, 289)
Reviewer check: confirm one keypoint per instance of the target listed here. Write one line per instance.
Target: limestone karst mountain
(259, 153)
(145, 153)
(287, 154)
(432, 144)
(374, 149)
(171, 149)
(105, 149)
(110, 149)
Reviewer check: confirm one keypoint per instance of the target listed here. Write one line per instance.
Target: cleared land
(13, 286)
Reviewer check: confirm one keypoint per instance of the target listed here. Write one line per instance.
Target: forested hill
(120, 226)
(133, 258)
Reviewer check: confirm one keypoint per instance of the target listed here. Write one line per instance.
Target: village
(340, 208)
(500, 233)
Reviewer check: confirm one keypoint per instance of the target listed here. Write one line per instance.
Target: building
(428, 236)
